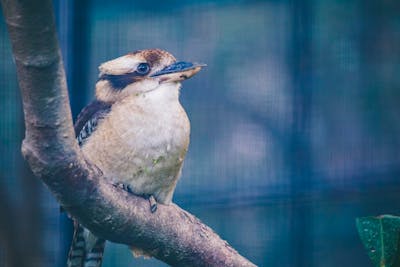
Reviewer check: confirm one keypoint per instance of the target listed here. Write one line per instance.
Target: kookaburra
(136, 132)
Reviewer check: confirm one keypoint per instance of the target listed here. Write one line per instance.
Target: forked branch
(171, 234)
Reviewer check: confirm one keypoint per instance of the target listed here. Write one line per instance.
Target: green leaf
(380, 236)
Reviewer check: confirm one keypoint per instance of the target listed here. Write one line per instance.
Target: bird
(136, 132)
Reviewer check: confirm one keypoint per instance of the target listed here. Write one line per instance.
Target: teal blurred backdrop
(295, 123)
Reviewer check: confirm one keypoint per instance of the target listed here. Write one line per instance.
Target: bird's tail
(86, 249)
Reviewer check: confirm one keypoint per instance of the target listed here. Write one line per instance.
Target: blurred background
(295, 123)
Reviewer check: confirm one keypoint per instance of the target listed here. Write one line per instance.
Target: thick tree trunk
(171, 234)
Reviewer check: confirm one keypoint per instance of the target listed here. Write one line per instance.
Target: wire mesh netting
(294, 123)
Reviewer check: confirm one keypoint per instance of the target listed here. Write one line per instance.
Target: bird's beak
(178, 71)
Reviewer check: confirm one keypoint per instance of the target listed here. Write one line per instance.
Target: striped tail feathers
(86, 249)
(76, 254)
(94, 250)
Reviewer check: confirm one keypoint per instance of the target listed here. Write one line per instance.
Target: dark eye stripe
(119, 82)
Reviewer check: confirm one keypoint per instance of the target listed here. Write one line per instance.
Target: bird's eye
(143, 68)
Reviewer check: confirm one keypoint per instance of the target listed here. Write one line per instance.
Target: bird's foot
(124, 187)
(153, 204)
(128, 188)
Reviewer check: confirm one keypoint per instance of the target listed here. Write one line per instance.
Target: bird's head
(141, 72)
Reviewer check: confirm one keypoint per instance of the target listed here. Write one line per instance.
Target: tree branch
(171, 234)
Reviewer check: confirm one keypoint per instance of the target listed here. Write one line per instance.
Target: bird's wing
(87, 249)
(88, 119)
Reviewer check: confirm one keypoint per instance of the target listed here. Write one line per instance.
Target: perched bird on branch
(136, 132)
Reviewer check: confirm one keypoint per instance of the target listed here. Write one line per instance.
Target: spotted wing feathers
(89, 119)
(87, 249)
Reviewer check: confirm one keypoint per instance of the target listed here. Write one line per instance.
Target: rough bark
(171, 234)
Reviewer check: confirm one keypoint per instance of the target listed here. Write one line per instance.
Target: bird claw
(124, 187)
(153, 204)
(128, 188)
